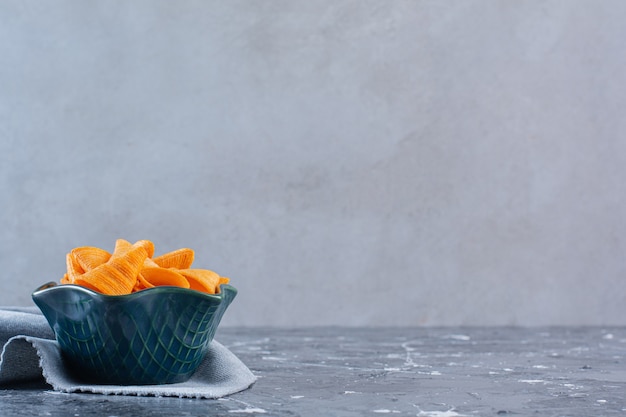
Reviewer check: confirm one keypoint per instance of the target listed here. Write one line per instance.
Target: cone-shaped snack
(179, 258)
(162, 276)
(202, 280)
(89, 257)
(117, 276)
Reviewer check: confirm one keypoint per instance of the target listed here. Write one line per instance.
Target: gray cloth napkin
(30, 352)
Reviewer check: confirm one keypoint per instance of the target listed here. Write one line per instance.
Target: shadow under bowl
(156, 336)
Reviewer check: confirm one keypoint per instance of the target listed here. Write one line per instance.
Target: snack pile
(133, 267)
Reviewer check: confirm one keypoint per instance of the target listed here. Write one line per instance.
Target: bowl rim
(170, 289)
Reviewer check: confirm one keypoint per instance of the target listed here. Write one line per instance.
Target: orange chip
(65, 279)
(180, 259)
(141, 283)
(149, 263)
(104, 279)
(162, 276)
(117, 276)
(202, 280)
(121, 246)
(147, 245)
(131, 268)
(130, 263)
(74, 270)
(89, 257)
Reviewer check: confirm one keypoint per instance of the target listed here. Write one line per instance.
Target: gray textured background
(344, 162)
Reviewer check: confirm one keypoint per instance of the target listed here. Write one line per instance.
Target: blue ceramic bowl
(155, 336)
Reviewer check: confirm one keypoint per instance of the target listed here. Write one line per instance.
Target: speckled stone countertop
(436, 372)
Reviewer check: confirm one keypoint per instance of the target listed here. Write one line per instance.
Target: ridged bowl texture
(155, 336)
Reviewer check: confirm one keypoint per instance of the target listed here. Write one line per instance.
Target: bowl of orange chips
(130, 318)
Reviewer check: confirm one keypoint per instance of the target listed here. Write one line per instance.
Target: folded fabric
(30, 352)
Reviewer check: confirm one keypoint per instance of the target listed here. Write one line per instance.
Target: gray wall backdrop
(345, 162)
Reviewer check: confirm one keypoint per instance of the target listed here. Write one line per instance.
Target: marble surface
(428, 372)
